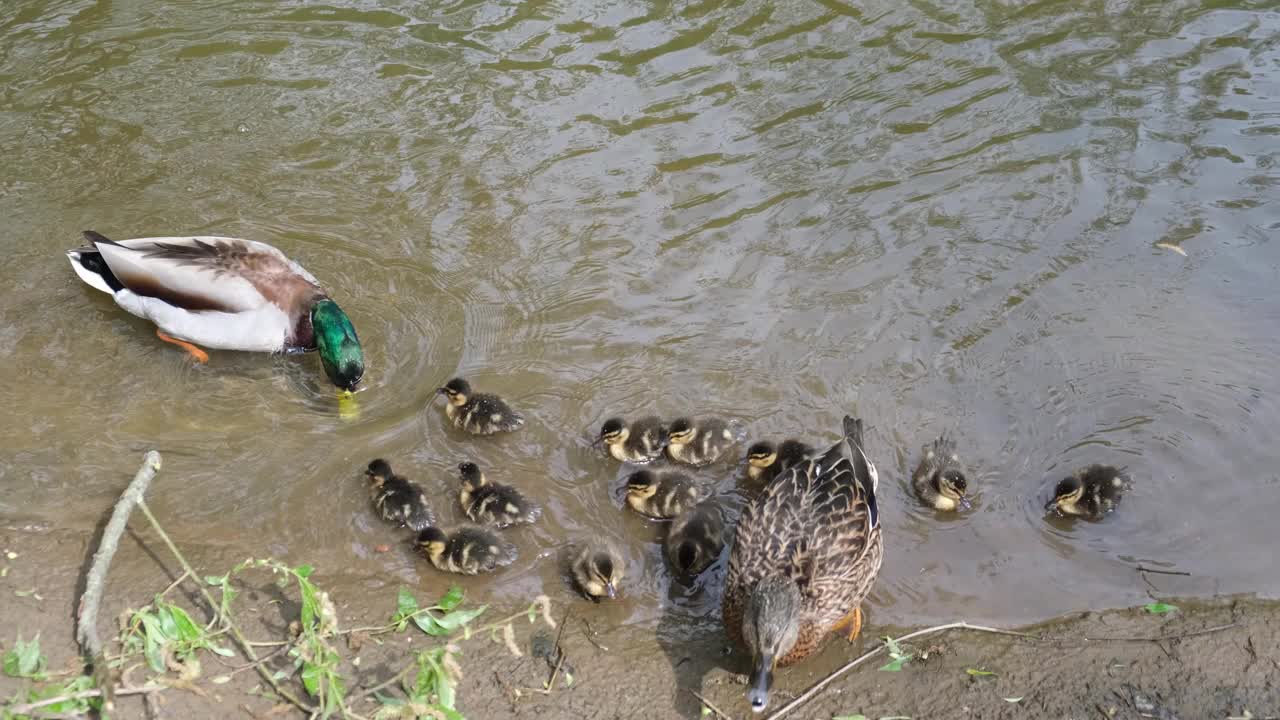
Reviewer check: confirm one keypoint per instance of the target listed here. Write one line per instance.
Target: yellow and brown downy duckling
(489, 503)
(805, 553)
(661, 496)
(766, 461)
(639, 442)
(468, 550)
(397, 500)
(597, 571)
(940, 479)
(699, 441)
(1089, 492)
(695, 539)
(478, 413)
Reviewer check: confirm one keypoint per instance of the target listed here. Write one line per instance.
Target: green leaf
(451, 599)
(311, 678)
(458, 618)
(215, 580)
(24, 659)
(303, 571)
(978, 673)
(446, 713)
(895, 664)
(186, 629)
(1013, 699)
(154, 636)
(224, 652)
(427, 624)
(406, 604)
(1159, 608)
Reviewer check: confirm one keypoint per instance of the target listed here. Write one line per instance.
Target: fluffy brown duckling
(478, 413)
(661, 496)
(766, 461)
(940, 479)
(490, 503)
(695, 539)
(1089, 492)
(597, 571)
(397, 500)
(468, 550)
(698, 441)
(639, 442)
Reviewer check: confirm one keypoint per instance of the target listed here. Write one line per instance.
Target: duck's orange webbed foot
(853, 621)
(197, 354)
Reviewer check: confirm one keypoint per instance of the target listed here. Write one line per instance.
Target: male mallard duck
(661, 496)
(765, 461)
(1090, 492)
(478, 413)
(698, 442)
(397, 500)
(695, 539)
(597, 571)
(806, 552)
(940, 479)
(489, 503)
(638, 443)
(223, 293)
(467, 550)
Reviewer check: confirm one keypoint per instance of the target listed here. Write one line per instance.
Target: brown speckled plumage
(817, 524)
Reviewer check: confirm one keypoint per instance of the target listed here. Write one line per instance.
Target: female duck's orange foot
(197, 354)
(853, 621)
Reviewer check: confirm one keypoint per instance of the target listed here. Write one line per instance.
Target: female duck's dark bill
(761, 679)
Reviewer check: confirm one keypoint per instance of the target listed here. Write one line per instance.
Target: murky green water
(938, 215)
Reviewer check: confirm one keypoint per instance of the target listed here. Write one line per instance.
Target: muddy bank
(1214, 659)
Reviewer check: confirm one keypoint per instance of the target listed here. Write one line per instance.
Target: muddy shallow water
(940, 218)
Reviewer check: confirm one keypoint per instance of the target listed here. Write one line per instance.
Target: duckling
(489, 503)
(661, 496)
(397, 500)
(695, 539)
(940, 479)
(1090, 492)
(698, 442)
(478, 413)
(638, 443)
(597, 571)
(765, 461)
(468, 550)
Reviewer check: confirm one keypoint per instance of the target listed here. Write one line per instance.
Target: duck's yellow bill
(348, 407)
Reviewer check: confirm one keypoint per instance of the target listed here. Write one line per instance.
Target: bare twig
(245, 647)
(96, 580)
(1162, 638)
(590, 635)
(564, 622)
(1145, 569)
(17, 710)
(707, 704)
(175, 583)
(263, 659)
(879, 649)
(386, 683)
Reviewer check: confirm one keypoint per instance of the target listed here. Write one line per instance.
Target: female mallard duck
(695, 539)
(638, 443)
(397, 500)
(765, 461)
(223, 293)
(939, 479)
(489, 503)
(467, 550)
(597, 571)
(1089, 492)
(478, 413)
(661, 496)
(806, 552)
(698, 442)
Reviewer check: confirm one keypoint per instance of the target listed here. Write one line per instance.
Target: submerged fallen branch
(96, 580)
(811, 692)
